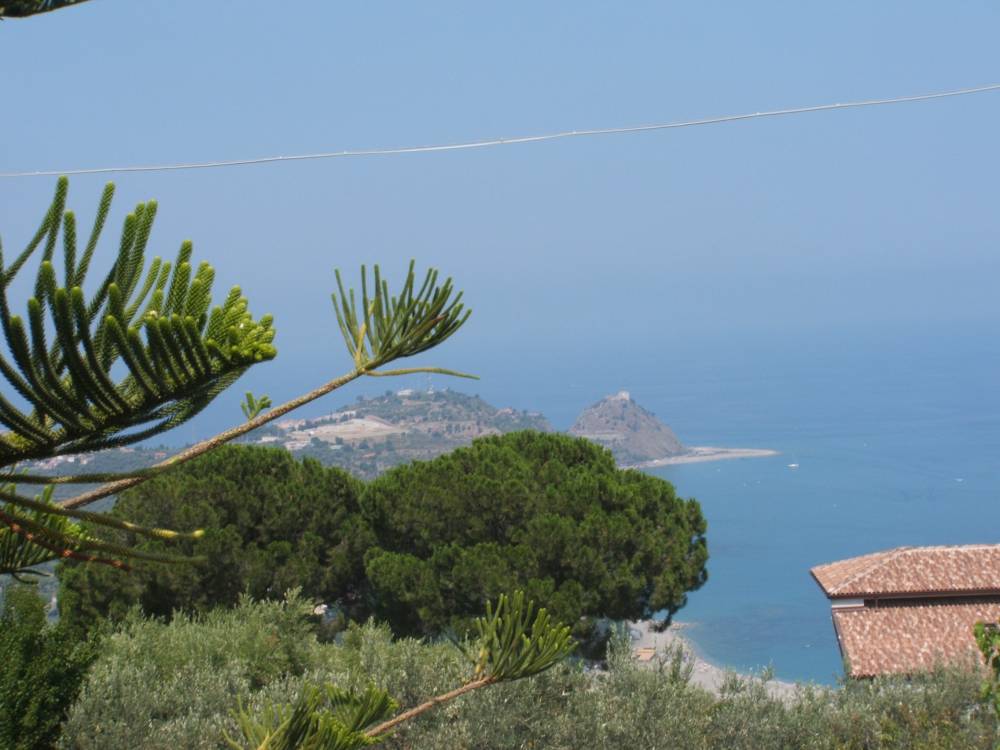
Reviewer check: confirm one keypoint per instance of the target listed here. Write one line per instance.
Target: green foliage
(391, 327)
(636, 707)
(253, 406)
(327, 718)
(513, 645)
(263, 652)
(140, 355)
(41, 669)
(19, 559)
(143, 354)
(199, 667)
(273, 523)
(23, 8)
(988, 639)
(156, 322)
(173, 685)
(547, 514)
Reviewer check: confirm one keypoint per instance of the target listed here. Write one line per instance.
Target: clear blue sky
(874, 217)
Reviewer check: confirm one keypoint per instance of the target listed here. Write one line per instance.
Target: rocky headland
(638, 439)
(630, 432)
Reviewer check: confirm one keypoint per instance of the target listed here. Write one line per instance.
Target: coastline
(704, 674)
(701, 453)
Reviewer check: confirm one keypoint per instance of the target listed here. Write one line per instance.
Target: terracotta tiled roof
(908, 639)
(909, 571)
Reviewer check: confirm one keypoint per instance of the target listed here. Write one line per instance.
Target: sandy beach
(698, 454)
(704, 674)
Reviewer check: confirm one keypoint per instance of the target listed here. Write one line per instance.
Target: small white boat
(793, 466)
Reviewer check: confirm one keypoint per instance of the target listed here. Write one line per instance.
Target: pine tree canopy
(421, 548)
(549, 514)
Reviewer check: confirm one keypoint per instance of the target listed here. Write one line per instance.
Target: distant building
(911, 608)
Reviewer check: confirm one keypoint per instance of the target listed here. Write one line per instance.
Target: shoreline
(701, 453)
(704, 673)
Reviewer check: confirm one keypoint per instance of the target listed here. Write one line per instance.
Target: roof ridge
(889, 555)
(951, 547)
(937, 604)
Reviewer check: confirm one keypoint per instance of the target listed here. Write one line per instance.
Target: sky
(608, 252)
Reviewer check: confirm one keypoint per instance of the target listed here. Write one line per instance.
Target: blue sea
(897, 441)
(896, 434)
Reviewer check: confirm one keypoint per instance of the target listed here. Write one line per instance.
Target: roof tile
(913, 571)
(908, 639)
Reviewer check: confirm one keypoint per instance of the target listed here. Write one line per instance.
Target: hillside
(375, 434)
(631, 433)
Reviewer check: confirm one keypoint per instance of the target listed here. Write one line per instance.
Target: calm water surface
(897, 441)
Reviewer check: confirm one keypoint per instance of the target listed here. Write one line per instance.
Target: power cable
(506, 141)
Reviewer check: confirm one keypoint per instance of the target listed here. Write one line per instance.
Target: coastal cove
(704, 673)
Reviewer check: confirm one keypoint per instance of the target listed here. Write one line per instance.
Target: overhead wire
(491, 142)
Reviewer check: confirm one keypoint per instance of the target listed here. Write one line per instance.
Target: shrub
(41, 669)
(159, 685)
(172, 685)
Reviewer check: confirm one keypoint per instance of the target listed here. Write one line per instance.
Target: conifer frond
(390, 327)
(18, 554)
(24, 8)
(36, 531)
(155, 321)
(252, 406)
(47, 507)
(516, 642)
(146, 351)
(326, 718)
(139, 355)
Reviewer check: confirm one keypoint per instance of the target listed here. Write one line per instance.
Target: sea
(887, 437)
